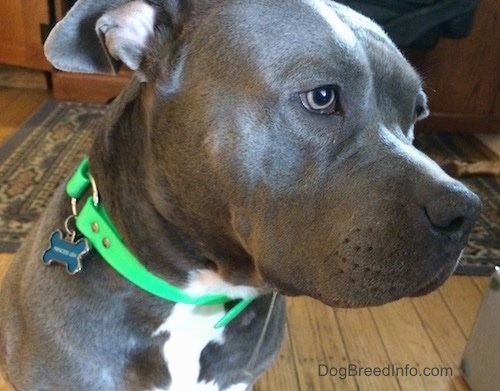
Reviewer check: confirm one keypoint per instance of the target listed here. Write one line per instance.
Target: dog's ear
(96, 36)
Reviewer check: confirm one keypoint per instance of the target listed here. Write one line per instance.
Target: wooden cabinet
(88, 88)
(20, 33)
(462, 77)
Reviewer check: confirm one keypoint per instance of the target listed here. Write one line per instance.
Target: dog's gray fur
(209, 160)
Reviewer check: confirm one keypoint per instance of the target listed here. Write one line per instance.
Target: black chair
(419, 24)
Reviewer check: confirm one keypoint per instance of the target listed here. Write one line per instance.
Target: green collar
(95, 225)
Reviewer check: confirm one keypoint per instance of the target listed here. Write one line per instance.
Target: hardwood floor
(403, 339)
(15, 107)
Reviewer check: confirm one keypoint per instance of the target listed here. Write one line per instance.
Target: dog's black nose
(453, 212)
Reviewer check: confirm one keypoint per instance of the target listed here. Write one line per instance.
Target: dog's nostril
(445, 218)
(456, 224)
(453, 212)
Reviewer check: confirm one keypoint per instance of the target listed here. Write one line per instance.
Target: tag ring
(95, 196)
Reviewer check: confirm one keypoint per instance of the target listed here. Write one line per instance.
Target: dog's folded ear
(96, 36)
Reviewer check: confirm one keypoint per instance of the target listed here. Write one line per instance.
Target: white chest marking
(210, 387)
(203, 282)
(191, 329)
(238, 387)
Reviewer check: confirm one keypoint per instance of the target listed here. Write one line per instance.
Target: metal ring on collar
(95, 196)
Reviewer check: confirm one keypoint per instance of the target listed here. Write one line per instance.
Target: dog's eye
(322, 100)
(421, 112)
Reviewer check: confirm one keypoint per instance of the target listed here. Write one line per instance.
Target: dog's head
(283, 131)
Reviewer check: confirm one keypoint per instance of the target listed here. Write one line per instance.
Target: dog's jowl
(262, 149)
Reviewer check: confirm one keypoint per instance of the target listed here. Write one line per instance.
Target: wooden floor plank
(5, 260)
(316, 341)
(16, 111)
(7, 97)
(463, 298)
(283, 373)
(365, 349)
(409, 346)
(3, 385)
(482, 283)
(446, 335)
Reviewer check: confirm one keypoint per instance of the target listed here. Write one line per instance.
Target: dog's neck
(140, 202)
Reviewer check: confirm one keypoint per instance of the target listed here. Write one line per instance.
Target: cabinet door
(20, 33)
(462, 77)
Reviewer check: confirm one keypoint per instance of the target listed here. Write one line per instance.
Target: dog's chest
(190, 330)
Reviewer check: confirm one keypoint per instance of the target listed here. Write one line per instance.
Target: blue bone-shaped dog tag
(66, 252)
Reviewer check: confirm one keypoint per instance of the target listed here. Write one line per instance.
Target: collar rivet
(106, 243)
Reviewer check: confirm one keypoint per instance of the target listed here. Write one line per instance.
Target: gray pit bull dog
(261, 147)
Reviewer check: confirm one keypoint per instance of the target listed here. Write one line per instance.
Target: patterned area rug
(50, 144)
(36, 159)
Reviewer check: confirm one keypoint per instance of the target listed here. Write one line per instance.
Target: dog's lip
(429, 286)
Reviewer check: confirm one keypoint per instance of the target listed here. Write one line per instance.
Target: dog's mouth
(438, 280)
